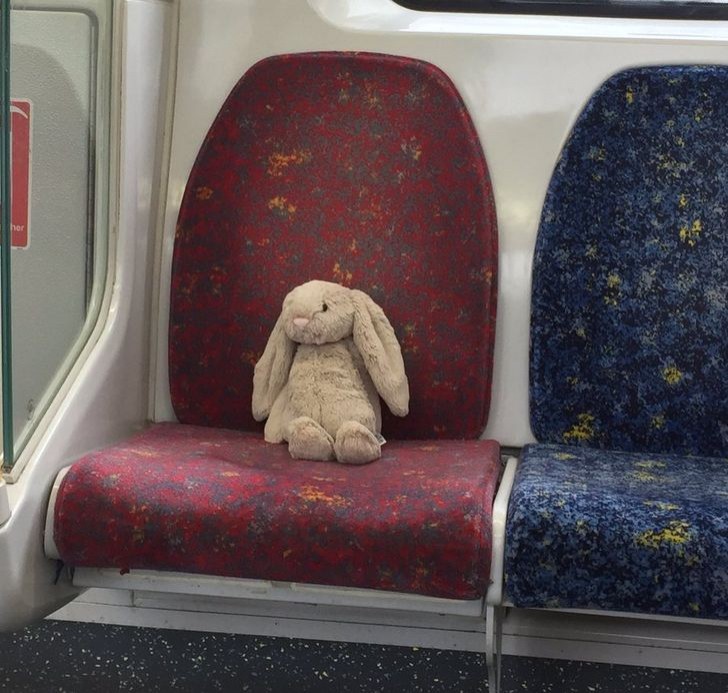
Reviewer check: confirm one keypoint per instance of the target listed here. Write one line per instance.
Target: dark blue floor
(60, 657)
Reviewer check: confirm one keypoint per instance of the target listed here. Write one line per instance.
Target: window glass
(5, 369)
(59, 88)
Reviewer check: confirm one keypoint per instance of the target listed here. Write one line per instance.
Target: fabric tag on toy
(380, 439)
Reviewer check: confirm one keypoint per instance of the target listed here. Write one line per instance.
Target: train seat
(361, 169)
(621, 506)
(226, 503)
(625, 532)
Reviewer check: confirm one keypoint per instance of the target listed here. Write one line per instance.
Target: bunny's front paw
(356, 444)
(307, 440)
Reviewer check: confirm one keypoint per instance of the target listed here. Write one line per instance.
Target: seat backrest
(629, 322)
(357, 168)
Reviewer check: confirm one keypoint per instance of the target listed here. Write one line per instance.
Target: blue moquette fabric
(624, 505)
(629, 330)
(638, 533)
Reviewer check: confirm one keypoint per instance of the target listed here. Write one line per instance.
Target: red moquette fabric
(219, 502)
(360, 169)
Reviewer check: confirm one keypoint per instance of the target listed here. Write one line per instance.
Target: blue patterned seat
(629, 353)
(619, 531)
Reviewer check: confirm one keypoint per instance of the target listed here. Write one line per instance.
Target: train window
(59, 56)
(4, 242)
(650, 9)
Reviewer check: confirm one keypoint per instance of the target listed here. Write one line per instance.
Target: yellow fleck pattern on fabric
(676, 533)
(650, 464)
(691, 234)
(315, 495)
(598, 154)
(643, 476)
(371, 97)
(672, 375)
(409, 341)
(661, 505)
(341, 275)
(278, 162)
(614, 284)
(700, 114)
(581, 431)
(412, 149)
(280, 205)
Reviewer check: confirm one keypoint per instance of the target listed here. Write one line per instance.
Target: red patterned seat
(226, 503)
(357, 168)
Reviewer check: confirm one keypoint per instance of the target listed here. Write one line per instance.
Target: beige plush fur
(330, 356)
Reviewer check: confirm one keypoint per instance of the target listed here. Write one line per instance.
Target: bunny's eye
(324, 308)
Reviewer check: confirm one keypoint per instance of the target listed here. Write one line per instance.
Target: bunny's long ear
(271, 371)
(378, 345)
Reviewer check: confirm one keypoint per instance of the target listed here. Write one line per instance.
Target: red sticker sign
(21, 156)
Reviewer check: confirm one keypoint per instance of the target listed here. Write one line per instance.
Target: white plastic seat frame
(494, 606)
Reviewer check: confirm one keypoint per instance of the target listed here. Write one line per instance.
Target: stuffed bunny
(330, 355)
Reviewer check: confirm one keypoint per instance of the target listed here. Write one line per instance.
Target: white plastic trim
(234, 588)
(49, 543)
(713, 623)
(4, 503)
(158, 345)
(628, 641)
(377, 16)
(305, 621)
(494, 646)
(494, 596)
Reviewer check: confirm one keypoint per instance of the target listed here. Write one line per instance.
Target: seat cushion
(357, 168)
(618, 531)
(219, 502)
(629, 321)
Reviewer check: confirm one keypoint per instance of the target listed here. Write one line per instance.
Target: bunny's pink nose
(301, 322)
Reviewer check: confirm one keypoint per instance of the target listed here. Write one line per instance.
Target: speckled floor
(60, 657)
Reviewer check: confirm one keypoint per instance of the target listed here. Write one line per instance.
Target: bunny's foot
(307, 440)
(356, 444)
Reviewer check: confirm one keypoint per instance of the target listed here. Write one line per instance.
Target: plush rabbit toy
(330, 355)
